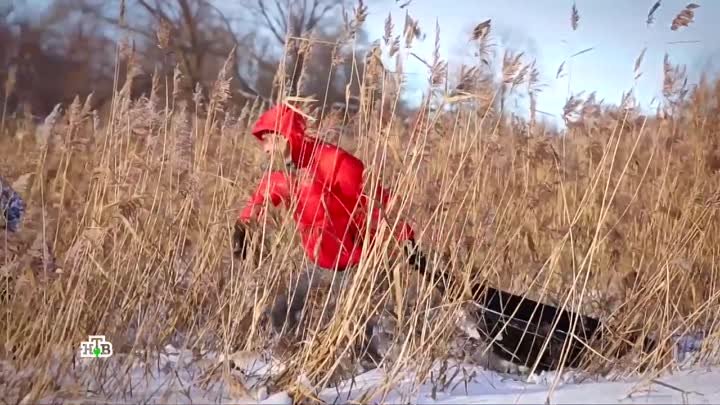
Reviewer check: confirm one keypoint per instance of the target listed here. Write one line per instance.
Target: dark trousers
(290, 303)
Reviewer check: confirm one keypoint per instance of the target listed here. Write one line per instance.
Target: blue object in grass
(12, 206)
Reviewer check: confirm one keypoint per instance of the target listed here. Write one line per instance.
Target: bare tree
(288, 22)
(199, 35)
(77, 40)
(53, 56)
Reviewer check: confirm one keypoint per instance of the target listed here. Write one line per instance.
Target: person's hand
(415, 257)
(239, 241)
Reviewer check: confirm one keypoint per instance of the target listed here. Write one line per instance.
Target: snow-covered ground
(174, 377)
(473, 385)
(697, 386)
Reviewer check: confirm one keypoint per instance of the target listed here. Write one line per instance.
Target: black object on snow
(534, 332)
(527, 332)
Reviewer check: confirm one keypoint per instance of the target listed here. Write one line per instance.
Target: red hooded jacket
(330, 206)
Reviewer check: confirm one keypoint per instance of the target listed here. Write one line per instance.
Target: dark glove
(239, 241)
(416, 259)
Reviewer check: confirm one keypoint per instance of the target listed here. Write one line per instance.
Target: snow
(697, 386)
(177, 376)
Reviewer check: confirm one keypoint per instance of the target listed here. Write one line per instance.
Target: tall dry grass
(130, 217)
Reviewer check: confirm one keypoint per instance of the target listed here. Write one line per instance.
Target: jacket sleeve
(275, 186)
(12, 206)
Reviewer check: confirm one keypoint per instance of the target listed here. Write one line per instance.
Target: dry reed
(616, 219)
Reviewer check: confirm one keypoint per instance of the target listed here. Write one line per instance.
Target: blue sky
(616, 29)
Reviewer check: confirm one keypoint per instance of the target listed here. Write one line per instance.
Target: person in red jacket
(325, 189)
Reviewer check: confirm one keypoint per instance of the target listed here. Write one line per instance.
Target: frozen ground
(698, 386)
(176, 378)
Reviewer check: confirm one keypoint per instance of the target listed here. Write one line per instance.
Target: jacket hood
(280, 119)
(284, 120)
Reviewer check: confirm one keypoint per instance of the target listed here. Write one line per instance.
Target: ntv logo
(96, 346)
